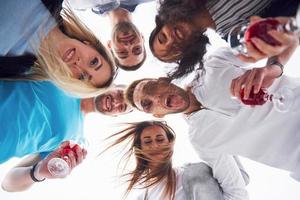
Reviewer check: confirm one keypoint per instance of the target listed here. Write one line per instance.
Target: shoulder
(222, 57)
(200, 171)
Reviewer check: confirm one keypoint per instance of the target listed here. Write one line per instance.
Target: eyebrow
(147, 137)
(97, 68)
(122, 57)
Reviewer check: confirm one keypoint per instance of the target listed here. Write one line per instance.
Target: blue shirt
(36, 117)
(23, 23)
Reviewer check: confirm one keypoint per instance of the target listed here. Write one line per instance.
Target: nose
(118, 106)
(154, 145)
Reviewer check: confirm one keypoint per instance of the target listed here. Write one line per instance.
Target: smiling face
(160, 97)
(112, 103)
(153, 139)
(167, 42)
(85, 62)
(127, 44)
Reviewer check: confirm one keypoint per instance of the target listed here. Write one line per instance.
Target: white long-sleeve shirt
(227, 127)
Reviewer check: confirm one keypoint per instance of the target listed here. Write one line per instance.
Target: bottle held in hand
(58, 167)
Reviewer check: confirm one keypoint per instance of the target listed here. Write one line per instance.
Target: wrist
(273, 63)
(35, 173)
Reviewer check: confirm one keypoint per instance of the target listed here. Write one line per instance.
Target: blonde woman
(67, 51)
(151, 143)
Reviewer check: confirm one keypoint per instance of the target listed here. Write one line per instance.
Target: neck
(195, 105)
(119, 15)
(87, 105)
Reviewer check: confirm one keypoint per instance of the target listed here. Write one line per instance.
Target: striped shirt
(228, 13)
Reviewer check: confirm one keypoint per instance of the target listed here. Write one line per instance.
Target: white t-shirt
(228, 127)
(156, 192)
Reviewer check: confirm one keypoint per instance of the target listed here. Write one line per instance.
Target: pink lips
(68, 55)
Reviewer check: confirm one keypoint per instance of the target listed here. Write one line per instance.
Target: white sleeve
(227, 173)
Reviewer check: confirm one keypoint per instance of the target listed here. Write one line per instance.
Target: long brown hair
(142, 174)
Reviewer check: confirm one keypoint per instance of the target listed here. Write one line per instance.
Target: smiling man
(112, 102)
(220, 125)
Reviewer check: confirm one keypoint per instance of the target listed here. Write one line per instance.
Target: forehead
(140, 90)
(153, 131)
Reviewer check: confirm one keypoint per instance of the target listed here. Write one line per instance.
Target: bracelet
(32, 174)
(276, 62)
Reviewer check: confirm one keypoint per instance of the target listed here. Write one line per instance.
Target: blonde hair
(142, 174)
(50, 66)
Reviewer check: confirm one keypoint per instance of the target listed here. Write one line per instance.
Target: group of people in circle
(54, 70)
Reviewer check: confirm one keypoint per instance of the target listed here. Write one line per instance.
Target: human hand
(72, 154)
(258, 49)
(255, 78)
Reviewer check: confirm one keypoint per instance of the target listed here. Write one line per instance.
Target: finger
(239, 84)
(79, 154)
(254, 19)
(232, 87)
(245, 58)
(257, 83)
(248, 83)
(254, 51)
(267, 50)
(64, 144)
(71, 159)
(285, 39)
(84, 153)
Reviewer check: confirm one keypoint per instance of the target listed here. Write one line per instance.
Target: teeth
(70, 55)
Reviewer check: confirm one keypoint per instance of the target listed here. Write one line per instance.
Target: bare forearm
(17, 179)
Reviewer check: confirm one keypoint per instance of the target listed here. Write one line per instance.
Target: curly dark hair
(192, 50)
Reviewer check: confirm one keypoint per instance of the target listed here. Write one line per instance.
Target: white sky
(97, 177)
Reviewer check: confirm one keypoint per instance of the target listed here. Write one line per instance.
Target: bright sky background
(97, 177)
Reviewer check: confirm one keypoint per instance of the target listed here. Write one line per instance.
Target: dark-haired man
(220, 125)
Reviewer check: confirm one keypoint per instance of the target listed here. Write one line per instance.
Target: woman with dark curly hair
(180, 25)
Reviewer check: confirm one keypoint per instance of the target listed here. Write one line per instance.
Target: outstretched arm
(19, 178)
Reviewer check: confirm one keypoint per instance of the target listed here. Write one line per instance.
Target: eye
(146, 104)
(160, 140)
(147, 141)
(94, 62)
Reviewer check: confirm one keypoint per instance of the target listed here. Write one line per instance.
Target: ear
(109, 44)
(159, 115)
